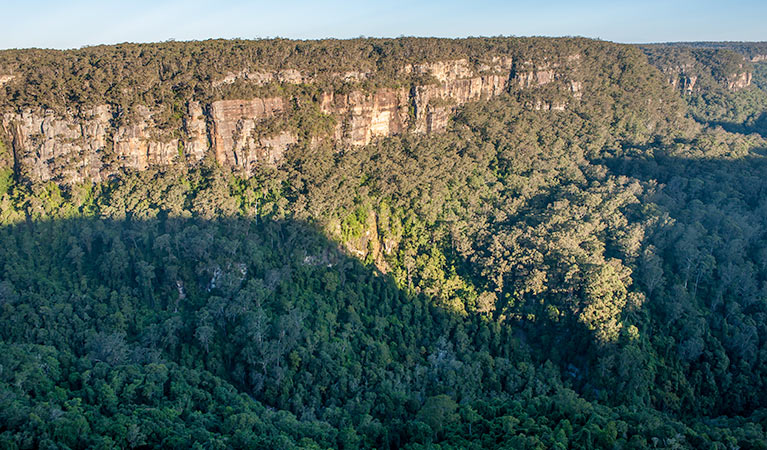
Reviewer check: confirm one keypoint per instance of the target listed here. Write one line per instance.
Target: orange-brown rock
(739, 81)
(47, 146)
(234, 123)
(87, 145)
(196, 129)
(136, 147)
(362, 116)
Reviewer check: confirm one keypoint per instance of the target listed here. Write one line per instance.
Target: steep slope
(722, 82)
(65, 119)
(525, 275)
(695, 70)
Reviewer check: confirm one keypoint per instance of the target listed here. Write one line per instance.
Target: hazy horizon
(49, 24)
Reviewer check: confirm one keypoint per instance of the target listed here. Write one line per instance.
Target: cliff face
(92, 144)
(693, 70)
(85, 145)
(361, 116)
(43, 144)
(686, 79)
(739, 80)
(233, 123)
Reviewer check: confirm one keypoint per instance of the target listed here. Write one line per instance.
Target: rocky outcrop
(739, 80)
(46, 145)
(85, 145)
(542, 105)
(287, 76)
(442, 71)
(137, 147)
(536, 77)
(683, 81)
(196, 129)
(422, 108)
(361, 116)
(234, 136)
(576, 89)
(242, 134)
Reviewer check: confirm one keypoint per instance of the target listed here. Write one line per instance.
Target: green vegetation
(748, 49)
(162, 74)
(714, 66)
(587, 278)
(740, 112)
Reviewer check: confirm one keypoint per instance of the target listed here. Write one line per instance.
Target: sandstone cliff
(693, 70)
(90, 143)
(685, 78)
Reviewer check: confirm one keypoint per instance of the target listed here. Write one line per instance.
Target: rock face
(233, 134)
(683, 81)
(86, 145)
(136, 148)
(196, 129)
(739, 80)
(288, 76)
(362, 116)
(46, 145)
(92, 144)
(686, 79)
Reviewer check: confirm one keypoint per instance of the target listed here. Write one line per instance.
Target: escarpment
(233, 123)
(250, 114)
(685, 78)
(697, 69)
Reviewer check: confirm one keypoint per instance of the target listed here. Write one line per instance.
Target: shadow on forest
(280, 312)
(272, 307)
(706, 273)
(740, 180)
(757, 125)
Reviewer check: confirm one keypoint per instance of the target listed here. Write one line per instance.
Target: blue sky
(75, 23)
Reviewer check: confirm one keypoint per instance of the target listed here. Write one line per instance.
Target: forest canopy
(588, 278)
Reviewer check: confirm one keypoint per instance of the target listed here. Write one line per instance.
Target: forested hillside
(591, 276)
(724, 83)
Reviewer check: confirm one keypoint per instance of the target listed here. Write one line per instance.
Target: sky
(75, 23)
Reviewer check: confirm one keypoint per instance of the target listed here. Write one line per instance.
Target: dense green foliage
(740, 112)
(748, 49)
(167, 74)
(714, 65)
(588, 278)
